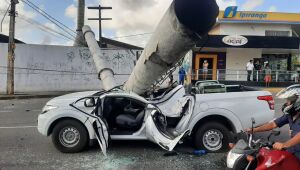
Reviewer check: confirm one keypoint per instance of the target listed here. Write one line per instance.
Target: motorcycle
(259, 154)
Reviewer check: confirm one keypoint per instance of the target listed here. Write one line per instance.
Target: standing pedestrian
(249, 68)
(268, 75)
(205, 69)
(181, 75)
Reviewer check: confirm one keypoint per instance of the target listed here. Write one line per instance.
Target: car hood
(67, 99)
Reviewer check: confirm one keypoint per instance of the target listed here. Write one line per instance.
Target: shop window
(276, 61)
(277, 33)
(296, 62)
(280, 65)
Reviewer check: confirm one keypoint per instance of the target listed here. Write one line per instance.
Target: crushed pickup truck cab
(210, 119)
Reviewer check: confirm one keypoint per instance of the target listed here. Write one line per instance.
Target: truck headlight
(231, 158)
(48, 108)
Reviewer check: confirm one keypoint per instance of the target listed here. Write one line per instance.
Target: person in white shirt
(249, 68)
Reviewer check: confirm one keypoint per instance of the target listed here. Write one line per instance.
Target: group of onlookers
(257, 69)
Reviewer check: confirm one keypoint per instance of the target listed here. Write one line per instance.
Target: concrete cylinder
(79, 40)
(184, 23)
(106, 74)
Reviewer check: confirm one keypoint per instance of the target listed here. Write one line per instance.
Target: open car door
(92, 108)
(157, 132)
(101, 133)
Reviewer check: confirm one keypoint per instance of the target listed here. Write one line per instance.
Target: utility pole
(100, 19)
(11, 48)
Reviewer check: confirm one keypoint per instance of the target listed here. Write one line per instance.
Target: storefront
(241, 36)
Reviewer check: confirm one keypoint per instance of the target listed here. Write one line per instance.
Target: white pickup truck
(210, 120)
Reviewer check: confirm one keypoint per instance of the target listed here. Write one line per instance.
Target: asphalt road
(22, 147)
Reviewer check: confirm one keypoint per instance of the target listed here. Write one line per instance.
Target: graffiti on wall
(85, 56)
(119, 60)
(56, 68)
(70, 56)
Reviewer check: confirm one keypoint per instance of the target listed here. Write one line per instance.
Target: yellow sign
(238, 16)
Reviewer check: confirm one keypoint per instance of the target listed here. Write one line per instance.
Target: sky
(129, 17)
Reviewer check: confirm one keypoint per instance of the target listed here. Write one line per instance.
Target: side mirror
(253, 120)
(275, 132)
(90, 102)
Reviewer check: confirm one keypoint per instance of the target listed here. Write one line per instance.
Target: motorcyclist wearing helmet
(291, 110)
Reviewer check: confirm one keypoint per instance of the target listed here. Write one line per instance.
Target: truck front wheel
(69, 136)
(212, 137)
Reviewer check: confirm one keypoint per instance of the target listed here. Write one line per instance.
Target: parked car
(209, 119)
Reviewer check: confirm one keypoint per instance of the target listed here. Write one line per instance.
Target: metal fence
(219, 74)
(241, 75)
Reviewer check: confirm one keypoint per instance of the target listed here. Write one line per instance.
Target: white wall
(251, 29)
(61, 68)
(236, 59)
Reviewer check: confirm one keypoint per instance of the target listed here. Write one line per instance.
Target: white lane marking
(17, 127)
(5, 111)
(9, 111)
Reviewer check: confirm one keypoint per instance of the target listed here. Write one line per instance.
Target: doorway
(212, 66)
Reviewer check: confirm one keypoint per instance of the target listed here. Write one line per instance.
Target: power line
(45, 28)
(56, 71)
(132, 35)
(47, 70)
(48, 18)
(4, 16)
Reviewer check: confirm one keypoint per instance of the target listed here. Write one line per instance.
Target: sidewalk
(33, 95)
(272, 89)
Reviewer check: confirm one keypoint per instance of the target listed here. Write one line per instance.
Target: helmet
(292, 94)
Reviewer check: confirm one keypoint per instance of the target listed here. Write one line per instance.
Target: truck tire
(69, 136)
(212, 137)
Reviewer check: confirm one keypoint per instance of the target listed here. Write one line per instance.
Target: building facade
(240, 36)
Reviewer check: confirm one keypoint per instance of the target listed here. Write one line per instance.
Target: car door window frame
(156, 108)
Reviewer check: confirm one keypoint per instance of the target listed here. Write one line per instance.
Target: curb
(35, 95)
(26, 96)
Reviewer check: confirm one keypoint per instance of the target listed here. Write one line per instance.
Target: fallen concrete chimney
(105, 73)
(184, 23)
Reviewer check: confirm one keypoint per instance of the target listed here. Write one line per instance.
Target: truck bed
(240, 88)
(243, 105)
